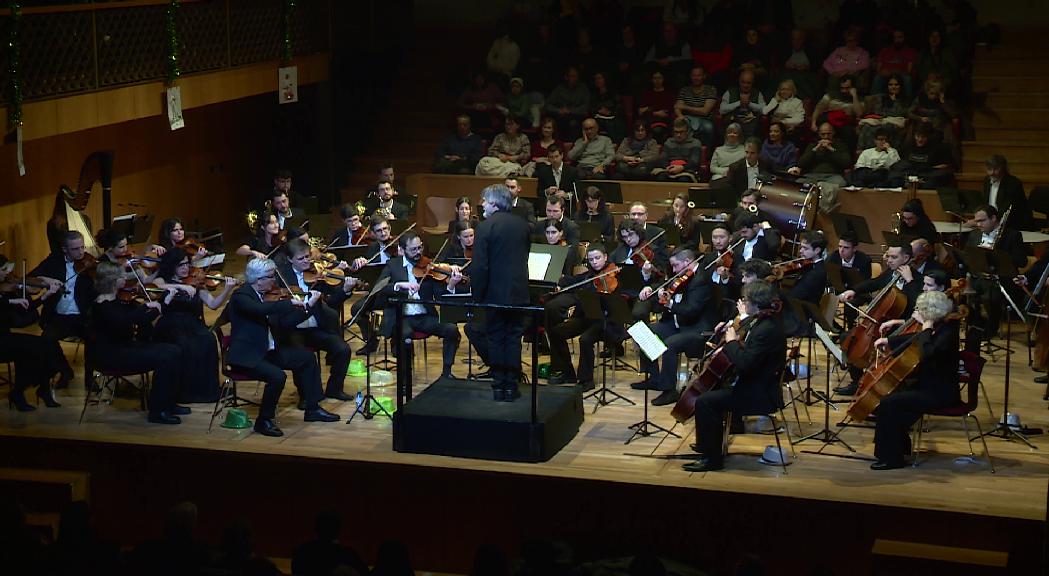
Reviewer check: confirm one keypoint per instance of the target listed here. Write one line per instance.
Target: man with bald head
(743, 104)
(593, 152)
(824, 161)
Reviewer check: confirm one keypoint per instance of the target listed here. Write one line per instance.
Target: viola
(675, 286)
(360, 236)
(198, 278)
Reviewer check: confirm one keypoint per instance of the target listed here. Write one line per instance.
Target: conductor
(500, 276)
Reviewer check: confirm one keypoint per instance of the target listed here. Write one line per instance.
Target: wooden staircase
(1011, 110)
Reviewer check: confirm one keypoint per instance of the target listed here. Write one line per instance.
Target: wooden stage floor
(945, 481)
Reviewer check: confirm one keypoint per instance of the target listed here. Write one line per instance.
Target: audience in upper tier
(861, 67)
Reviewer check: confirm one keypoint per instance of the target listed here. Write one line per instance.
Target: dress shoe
(268, 428)
(666, 398)
(498, 394)
(339, 395)
(1042, 379)
(486, 375)
(586, 385)
(17, 401)
(695, 448)
(163, 418)
(181, 410)
(849, 390)
(704, 465)
(46, 395)
(643, 385)
(882, 465)
(511, 394)
(447, 373)
(320, 415)
(301, 405)
(370, 347)
(558, 379)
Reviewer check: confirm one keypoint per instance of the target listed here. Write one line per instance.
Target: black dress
(183, 325)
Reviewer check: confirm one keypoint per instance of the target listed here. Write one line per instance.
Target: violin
(440, 272)
(198, 278)
(607, 281)
(281, 294)
(86, 265)
(329, 276)
(671, 289)
(33, 287)
(792, 267)
(360, 237)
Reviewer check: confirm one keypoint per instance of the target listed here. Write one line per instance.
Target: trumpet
(752, 208)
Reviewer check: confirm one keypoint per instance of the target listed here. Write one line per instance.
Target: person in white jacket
(872, 167)
(786, 107)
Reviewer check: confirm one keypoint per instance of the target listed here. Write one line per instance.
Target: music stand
(959, 201)
(546, 261)
(822, 330)
(611, 191)
(646, 341)
(364, 406)
(350, 253)
(590, 231)
(715, 198)
(852, 223)
(604, 308)
(672, 235)
(136, 227)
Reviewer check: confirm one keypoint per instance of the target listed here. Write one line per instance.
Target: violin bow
(390, 243)
(727, 250)
(679, 274)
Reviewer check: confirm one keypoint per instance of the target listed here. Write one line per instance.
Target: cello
(890, 302)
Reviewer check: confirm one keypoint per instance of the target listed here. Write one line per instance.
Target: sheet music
(537, 264)
(829, 344)
(209, 261)
(647, 340)
(124, 217)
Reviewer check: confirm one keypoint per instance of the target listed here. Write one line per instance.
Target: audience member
(932, 108)
(78, 549)
(540, 146)
(824, 161)
(629, 60)
(322, 556)
(508, 152)
(483, 102)
(568, 103)
(872, 167)
(489, 560)
(656, 107)
(21, 550)
(585, 57)
(178, 552)
(779, 152)
(695, 103)
(728, 153)
(921, 157)
(937, 62)
(785, 107)
(798, 66)
(841, 108)
(554, 176)
(896, 59)
(542, 58)
(636, 155)
(593, 152)
(504, 54)
(525, 106)
(743, 105)
(744, 174)
(752, 55)
(681, 155)
(848, 60)
(670, 54)
(460, 153)
(607, 108)
(887, 111)
(393, 560)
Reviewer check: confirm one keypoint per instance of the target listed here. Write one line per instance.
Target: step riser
(1023, 119)
(1008, 66)
(1005, 134)
(1013, 153)
(1006, 84)
(999, 100)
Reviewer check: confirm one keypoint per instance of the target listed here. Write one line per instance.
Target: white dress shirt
(66, 305)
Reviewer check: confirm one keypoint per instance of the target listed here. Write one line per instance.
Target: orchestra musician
(934, 281)
(520, 206)
(684, 317)
(630, 239)
(934, 386)
(589, 331)
(172, 235)
(680, 216)
(384, 204)
(378, 254)
(848, 256)
(897, 268)
(500, 276)
(422, 317)
(554, 231)
(280, 206)
(915, 223)
(1029, 281)
(924, 256)
(652, 233)
(254, 351)
(755, 244)
(462, 214)
(555, 210)
(749, 203)
(266, 239)
(758, 353)
(321, 329)
(989, 234)
(119, 339)
(353, 232)
(36, 360)
(720, 239)
(594, 209)
(460, 244)
(811, 284)
(65, 316)
(182, 324)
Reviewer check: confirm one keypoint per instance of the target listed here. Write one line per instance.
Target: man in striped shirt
(695, 103)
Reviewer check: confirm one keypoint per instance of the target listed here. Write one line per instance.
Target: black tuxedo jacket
(250, 319)
(690, 308)
(429, 290)
(54, 266)
(911, 289)
(759, 358)
(545, 176)
(860, 262)
(525, 209)
(1011, 242)
(342, 238)
(327, 317)
(1010, 193)
(737, 173)
(499, 269)
(762, 250)
(400, 211)
(939, 349)
(811, 285)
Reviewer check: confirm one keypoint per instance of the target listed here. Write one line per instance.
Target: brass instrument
(1001, 226)
(894, 222)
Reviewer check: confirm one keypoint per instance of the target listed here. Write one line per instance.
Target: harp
(70, 203)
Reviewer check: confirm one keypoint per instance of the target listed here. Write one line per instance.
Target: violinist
(685, 314)
(897, 269)
(266, 240)
(653, 234)
(924, 256)
(991, 235)
(120, 340)
(114, 245)
(173, 236)
(379, 254)
(720, 273)
(627, 253)
(321, 329)
(848, 256)
(519, 206)
(254, 351)
(555, 210)
(554, 232)
(589, 331)
(182, 324)
(36, 360)
(594, 209)
(749, 203)
(463, 213)
(353, 232)
(65, 315)
(755, 244)
(812, 283)
(935, 384)
(279, 202)
(680, 216)
(460, 245)
(383, 203)
(758, 353)
(405, 279)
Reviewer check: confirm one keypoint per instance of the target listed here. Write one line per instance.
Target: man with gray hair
(499, 272)
(593, 152)
(253, 351)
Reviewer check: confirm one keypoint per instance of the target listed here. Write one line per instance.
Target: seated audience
(848, 60)
(593, 152)
(841, 108)
(525, 106)
(607, 108)
(656, 107)
(483, 102)
(695, 103)
(681, 156)
(743, 104)
(925, 159)
(896, 59)
(824, 161)
(936, 61)
(507, 154)
(785, 107)
(872, 167)
(931, 108)
(779, 152)
(798, 66)
(886, 111)
(460, 153)
(636, 155)
(728, 153)
(753, 56)
(504, 55)
(547, 137)
(671, 54)
(569, 103)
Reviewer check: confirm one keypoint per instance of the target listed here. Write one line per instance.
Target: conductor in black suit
(420, 315)
(1003, 190)
(500, 276)
(556, 177)
(253, 351)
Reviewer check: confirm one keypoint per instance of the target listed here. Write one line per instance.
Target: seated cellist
(935, 382)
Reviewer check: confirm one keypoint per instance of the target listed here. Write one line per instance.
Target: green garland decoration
(14, 86)
(171, 27)
(289, 7)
